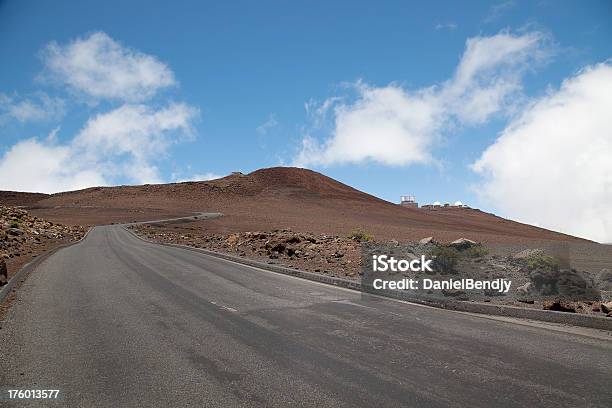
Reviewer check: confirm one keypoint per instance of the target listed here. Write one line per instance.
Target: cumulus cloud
(125, 143)
(39, 107)
(551, 165)
(99, 67)
(385, 124)
(44, 167)
(396, 126)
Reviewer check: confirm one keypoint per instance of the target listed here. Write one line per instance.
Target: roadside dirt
(23, 237)
(575, 290)
(327, 254)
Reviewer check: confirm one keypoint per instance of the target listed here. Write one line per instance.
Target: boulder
(525, 289)
(15, 231)
(463, 243)
(428, 240)
(232, 240)
(606, 307)
(528, 253)
(279, 247)
(294, 239)
(559, 306)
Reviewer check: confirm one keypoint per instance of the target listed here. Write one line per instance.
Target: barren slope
(282, 198)
(16, 198)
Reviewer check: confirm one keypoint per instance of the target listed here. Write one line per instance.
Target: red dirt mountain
(282, 197)
(16, 198)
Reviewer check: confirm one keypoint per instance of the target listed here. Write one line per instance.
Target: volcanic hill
(279, 197)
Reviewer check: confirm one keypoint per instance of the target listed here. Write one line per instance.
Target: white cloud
(135, 129)
(269, 124)
(121, 144)
(124, 144)
(552, 164)
(490, 74)
(31, 165)
(384, 124)
(394, 126)
(39, 107)
(100, 67)
(196, 177)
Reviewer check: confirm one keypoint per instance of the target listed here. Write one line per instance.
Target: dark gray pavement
(114, 321)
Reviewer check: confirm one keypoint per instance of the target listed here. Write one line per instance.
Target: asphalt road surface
(114, 321)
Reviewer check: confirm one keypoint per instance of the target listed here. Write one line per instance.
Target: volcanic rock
(525, 289)
(559, 306)
(528, 253)
(463, 243)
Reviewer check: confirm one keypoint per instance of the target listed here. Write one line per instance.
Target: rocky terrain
(332, 255)
(538, 279)
(24, 236)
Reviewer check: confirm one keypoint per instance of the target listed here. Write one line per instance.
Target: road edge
(30, 266)
(549, 316)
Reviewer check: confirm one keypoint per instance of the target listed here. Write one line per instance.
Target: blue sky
(389, 97)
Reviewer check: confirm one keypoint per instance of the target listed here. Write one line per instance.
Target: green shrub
(544, 262)
(360, 235)
(476, 251)
(14, 224)
(445, 258)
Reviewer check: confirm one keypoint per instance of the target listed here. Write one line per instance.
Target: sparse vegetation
(477, 251)
(14, 224)
(360, 235)
(542, 262)
(445, 258)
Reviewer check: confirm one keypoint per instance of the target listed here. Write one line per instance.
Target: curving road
(114, 321)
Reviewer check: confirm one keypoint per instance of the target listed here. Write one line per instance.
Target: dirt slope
(281, 197)
(16, 198)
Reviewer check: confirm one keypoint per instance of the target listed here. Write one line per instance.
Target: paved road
(114, 321)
